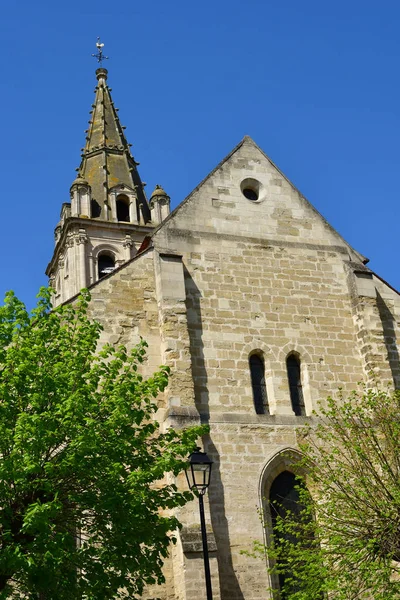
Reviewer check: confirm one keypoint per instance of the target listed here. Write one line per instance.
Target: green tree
(342, 540)
(86, 486)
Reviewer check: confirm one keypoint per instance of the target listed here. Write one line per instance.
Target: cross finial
(100, 57)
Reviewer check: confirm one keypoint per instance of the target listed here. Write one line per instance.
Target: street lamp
(198, 476)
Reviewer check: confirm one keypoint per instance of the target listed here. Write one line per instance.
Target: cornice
(88, 224)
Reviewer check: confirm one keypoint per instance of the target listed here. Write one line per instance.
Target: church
(257, 304)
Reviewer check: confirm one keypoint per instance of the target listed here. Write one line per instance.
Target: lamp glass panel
(201, 475)
(189, 477)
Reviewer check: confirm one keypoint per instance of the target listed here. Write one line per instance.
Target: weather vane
(100, 57)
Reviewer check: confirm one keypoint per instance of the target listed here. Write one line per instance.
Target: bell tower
(108, 215)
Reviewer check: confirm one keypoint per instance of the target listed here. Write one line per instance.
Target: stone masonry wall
(248, 297)
(229, 276)
(125, 304)
(376, 318)
(269, 276)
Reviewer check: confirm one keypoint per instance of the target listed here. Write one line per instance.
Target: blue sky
(316, 84)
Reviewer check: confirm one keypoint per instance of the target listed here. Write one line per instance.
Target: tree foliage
(83, 465)
(343, 539)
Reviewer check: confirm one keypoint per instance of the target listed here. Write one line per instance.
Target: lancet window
(257, 373)
(296, 390)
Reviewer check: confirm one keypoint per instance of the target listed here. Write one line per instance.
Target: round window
(251, 189)
(250, 194)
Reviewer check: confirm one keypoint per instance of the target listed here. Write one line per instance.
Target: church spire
(108, 217)
(106, 159)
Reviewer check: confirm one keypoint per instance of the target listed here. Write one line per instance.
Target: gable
(247, 195)
(121, 187)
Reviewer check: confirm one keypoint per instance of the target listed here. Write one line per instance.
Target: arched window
(293, 533)
(284, 499)
(257, 372)
(123, 208)
(95, 209)
(295, 388)
(105, 265)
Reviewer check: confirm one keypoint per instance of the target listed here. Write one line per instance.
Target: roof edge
(202, 182)
(117, 270)
(386, 283)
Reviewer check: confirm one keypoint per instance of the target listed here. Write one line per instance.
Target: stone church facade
(257, 304)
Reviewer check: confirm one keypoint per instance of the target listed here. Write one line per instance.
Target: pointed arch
(278, 493)
(285, 501)
(281, 459)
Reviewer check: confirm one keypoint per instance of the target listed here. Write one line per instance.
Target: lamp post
(198, 476)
